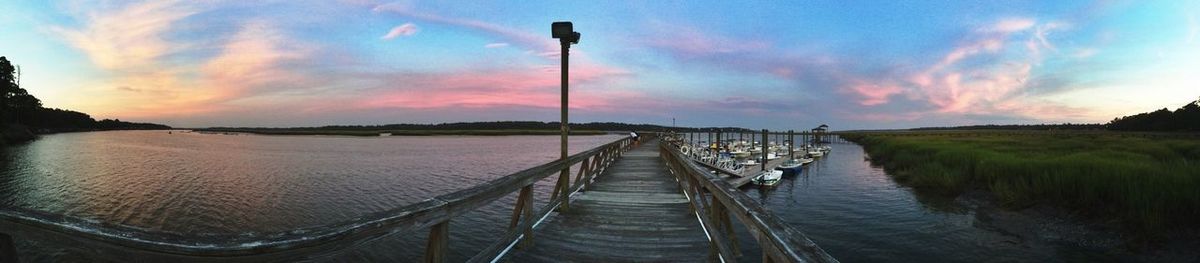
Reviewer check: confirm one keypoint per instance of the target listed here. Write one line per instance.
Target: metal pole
(564, 175)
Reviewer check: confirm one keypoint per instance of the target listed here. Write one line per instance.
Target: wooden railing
(434, 214)
(714, 200)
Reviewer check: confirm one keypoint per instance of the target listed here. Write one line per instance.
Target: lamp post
(566, 36)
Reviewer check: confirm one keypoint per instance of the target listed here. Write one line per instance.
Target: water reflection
(208, 184)
(857, 213)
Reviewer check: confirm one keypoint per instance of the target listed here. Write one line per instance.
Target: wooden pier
(626, 203)
(635, 211)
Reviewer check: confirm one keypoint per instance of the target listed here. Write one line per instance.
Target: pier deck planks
(633, 212)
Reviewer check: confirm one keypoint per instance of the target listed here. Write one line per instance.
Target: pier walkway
(635, 211)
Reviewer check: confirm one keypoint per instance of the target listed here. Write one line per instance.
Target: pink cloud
(528, 87)
(495, 45)
(872, 94)
(1010, 25)
(993, 82)
(884, 117)
(407, 29)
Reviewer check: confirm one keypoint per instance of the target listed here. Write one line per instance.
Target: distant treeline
(48, 120)
(1036, 127)
(22, 114)
(501, 125)
(1186, 118)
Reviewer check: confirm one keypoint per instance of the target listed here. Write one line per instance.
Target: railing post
(723, 223)
(435, 249)
(584, 169)
(519, 207)
(527, 213)
(564, 182)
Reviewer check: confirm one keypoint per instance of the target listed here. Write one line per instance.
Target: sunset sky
(775, 65)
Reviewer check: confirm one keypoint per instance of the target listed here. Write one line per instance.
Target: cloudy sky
(771, 64)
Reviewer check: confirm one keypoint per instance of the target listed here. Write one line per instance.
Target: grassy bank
(291, 131)
(1148, 183)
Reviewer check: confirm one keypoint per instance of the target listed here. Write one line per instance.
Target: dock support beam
(435, 249)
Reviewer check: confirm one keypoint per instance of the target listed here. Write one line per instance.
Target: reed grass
(1148, 183)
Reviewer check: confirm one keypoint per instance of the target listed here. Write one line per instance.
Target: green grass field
(1148, 183)
(289, 131)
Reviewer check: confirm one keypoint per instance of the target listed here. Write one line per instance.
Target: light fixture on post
(566, 35)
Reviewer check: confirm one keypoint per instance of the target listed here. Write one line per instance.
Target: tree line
(1186, 118)
(1027, 127)
(21, 110)
(506, 125)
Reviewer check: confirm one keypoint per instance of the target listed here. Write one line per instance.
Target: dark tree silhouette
(1186, 118)
(19, 108)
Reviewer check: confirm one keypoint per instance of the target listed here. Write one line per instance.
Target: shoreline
(1081, 232)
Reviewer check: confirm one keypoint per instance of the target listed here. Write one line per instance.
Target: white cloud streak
(407, 29)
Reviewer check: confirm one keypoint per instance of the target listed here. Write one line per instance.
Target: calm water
(199, 184)
(857, 213)
(211, 184)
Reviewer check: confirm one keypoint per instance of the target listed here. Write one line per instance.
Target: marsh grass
(1150, 184)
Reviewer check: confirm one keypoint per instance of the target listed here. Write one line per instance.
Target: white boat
(772, 156)
(768, 178)
(790, 164)
(740, 153)
(805, 160)
(816, 153)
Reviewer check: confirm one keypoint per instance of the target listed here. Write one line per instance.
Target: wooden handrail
(434, 213)
(780, 242)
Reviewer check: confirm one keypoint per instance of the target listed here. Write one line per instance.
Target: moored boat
(791, 167)
(768, 178)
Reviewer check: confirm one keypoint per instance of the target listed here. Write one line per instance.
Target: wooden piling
(764, 149)
(792, 147)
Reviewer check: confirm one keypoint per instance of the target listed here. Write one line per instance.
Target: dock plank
(634, 212)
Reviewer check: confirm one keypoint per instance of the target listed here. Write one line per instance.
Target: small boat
(805, 160)
(816, 153)
(791, 167)
(750, 162)
(768, 178)
(385, 134)
(740, 153)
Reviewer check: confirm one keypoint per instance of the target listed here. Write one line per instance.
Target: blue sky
(775, 65)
